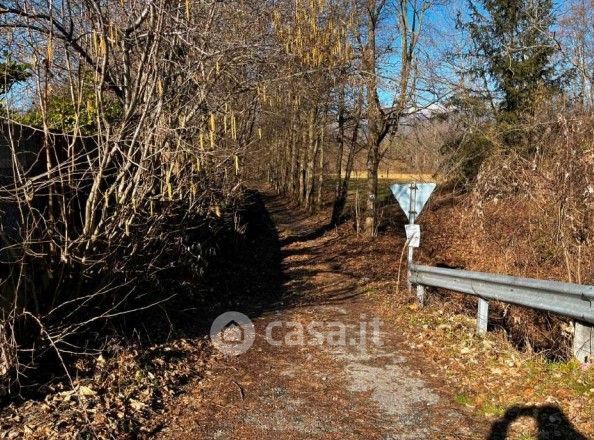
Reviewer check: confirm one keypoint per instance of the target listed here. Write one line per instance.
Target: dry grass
(488, 374)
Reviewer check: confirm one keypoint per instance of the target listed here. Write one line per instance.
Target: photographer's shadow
(550, 420)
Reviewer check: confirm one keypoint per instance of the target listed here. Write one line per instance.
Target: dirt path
(342, 388)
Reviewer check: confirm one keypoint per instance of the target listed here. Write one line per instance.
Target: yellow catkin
(236, 165)
(50, 50)
(102, 46)
(201, 142)
(95, 44)
(213, 123)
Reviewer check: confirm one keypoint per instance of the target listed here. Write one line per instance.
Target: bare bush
(142, 113)
(555, 188)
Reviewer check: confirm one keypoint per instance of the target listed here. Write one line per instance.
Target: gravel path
(320, 380)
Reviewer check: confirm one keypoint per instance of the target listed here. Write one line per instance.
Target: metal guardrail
(572, 300)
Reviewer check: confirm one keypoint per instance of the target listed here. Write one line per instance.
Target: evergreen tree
(11, 73)
(514, 50)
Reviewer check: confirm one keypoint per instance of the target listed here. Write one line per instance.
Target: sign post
(412, 215)
(412, 199)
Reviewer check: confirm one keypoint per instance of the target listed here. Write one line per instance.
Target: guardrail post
(583, 342)
(421, 294)
(482, 317)
(575, 301)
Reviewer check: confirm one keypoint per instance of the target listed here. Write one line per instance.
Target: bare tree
(381, 121)
(577, 36)
(348, 133)
(315, 63)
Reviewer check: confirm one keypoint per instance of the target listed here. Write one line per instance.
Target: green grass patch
(462, 399)
(360, 185)
(489, 408)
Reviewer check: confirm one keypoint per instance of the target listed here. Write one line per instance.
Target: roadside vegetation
(132, 131)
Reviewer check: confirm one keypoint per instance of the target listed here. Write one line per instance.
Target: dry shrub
(120, 182)
(549, 198)
(530, 213)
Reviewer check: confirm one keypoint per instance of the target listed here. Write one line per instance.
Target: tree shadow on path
(550, 419)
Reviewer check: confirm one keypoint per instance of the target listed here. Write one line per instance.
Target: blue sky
(439, 36)
(439, 32)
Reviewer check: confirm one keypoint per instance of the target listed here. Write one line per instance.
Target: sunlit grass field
(359, 181)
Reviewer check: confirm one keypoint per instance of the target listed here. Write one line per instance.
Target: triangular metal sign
(405, 193)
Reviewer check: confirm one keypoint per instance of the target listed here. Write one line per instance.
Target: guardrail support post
(482, 317)
(421, 294)
(583, 342)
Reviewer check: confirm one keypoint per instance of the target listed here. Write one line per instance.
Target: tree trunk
(320, 188)
(342, 185)
(371, 202)
(302, 170)
(339, 203)
(293, 178)
(312, 155)
(374, 120)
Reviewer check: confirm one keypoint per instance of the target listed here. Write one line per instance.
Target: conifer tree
(513, 50)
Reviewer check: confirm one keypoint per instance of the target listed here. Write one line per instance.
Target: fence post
(583, 342)
(482, 317)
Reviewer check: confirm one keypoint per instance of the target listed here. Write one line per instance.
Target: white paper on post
(413, 235)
